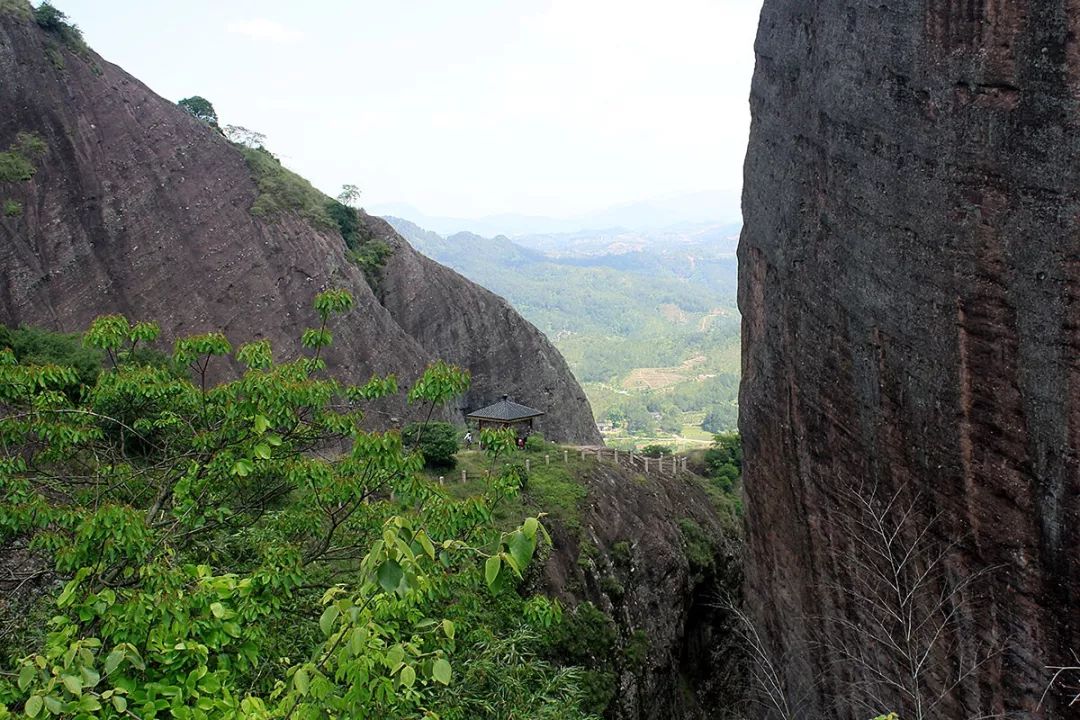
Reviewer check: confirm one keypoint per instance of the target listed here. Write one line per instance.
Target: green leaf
(300, 680)
(73, 683)
(261, 424)
(491, 569)
(90, 677)
(521, 549)
(89, 703)
(390, 574)
(448, 628)
(26, 676)
(510, 562)
(262, 451)
(530, 527)
(113, 660)
(120, 703)
(441, 671)
(425, 542)
(329, 617)
(217, 609)
(69, 590)
(356, 642)
(33, 706)
(408, 676)
(394, 657)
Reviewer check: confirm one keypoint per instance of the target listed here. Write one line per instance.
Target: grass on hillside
(281, 190)
(19, 8)
(553, 489)
(557, 488)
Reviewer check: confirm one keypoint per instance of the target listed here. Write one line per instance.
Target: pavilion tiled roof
(505, 410)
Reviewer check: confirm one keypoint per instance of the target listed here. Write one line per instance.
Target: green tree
(349, 195)
(201, 109)
(34, 346)
(217, 561)
(436, 441)
(347, 221)
(721, 418)
(723, 460)
(656, 450)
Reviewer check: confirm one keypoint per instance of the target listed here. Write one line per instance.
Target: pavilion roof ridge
(505, 410)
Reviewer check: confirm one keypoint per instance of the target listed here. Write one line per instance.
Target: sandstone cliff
(661, 556)
(138, 208)
(910, 270)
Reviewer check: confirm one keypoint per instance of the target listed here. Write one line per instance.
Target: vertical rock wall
(910, 272)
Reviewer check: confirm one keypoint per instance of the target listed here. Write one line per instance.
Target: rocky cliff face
(910, 271)
(138, 208)
(663, 561)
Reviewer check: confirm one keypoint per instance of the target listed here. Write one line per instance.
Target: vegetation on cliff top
(21, 9)
(210, 563)
(201, 109)
(283, 191)
(52, 20)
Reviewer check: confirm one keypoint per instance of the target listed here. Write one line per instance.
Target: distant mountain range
(713, 207)
(646, 320)
(593, 283)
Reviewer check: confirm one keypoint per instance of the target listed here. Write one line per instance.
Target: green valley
(646, 320)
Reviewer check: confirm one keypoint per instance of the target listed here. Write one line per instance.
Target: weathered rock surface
(634, 561)
(910, 273)
(140, 209)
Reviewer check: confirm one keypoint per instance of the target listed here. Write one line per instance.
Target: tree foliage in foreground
(246, 550)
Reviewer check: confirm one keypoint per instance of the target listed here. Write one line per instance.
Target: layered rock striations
(138, 208)
(910, 272)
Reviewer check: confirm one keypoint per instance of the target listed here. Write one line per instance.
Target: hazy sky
(461, 107)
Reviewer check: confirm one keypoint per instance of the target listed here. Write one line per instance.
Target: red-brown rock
(910, 273)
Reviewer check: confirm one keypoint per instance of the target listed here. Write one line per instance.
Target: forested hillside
(647, 321)
(175, 548)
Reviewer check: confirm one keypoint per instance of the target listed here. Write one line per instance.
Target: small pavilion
(506, 414)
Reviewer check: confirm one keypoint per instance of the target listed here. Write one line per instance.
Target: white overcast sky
(462, 107)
